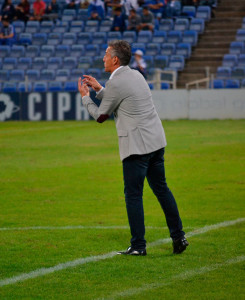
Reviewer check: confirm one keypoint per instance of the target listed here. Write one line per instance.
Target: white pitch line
(81, 261)
(182, 276)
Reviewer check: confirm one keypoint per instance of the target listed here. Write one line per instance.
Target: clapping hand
(83, 88)
(92, 82)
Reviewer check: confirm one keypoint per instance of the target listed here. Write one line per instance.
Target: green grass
(69, 173)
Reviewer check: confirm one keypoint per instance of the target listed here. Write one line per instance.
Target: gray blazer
(128, 96)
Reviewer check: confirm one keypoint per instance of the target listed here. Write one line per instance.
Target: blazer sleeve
(109, 102)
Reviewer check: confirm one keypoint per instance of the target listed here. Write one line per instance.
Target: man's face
(108, 60)
(145, 12)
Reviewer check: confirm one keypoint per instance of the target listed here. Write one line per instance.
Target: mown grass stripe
(182, 276)
(74, 227)
(81, 261)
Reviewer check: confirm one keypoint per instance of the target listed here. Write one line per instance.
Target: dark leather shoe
(179, 245)
(132, 251)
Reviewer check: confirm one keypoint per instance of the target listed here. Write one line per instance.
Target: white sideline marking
(182, 276)
(74, 227)
(81, 261)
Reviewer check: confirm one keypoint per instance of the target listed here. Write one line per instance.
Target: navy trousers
(135, 169)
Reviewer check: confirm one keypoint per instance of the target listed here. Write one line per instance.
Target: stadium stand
(54, 52)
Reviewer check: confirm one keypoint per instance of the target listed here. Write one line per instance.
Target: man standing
(141, 142)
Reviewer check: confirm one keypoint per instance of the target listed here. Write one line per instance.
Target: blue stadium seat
(76, 73)
(94, 72)
(17, 75)
(129, 36)
(40, 86)
(84, 38)
(9, 63)
(229, 60)
(190, 36)
(4, 75)
(54, 38)
(168, 49)
(47, 75)
(62, 75)
(165, 86)
(76, 26)
(144, 36)
(240, 35)
(54, 63)
(19, 26)
(161, 61)
(174, 36)
(85, 62)
(70, 62)
(55, 86)
(203, 12)
(4, 50)
(138, 46)
(69, 38)
(99, 38)
(33, 75)
(25, 38)
(47, 50)
(39, 39)
(217, 84)
(183, 49)
(241, 60)
(149, 60)
(82, 14)
(198, 25)
(105, 25)
(104, 75)
(238, 73)
(32, 27)
(32, 51)
(77, 50)
(159, 36)
(152, 49)
(243, 83)
(91, 26)
(68, 15)
(61, 27)
(92, 50)
(232, 84)
(62, 50)
(177, 62)
(181, 24)
(166, 24)
(114, 35)
(9, 87)
(236, 47)
(103, 48)
(189, 11)
(70, 86)
(39, 63)
(223, 72)
(98, 62)
(17, 51)
(24, 87)
(46, 26)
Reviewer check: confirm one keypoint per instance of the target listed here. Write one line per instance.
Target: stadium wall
(170, 104)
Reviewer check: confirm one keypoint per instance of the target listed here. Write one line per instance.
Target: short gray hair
(122, 50)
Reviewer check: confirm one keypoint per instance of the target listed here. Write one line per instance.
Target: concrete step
(229, 14)
(233, 8)
(204, 63)
(221, 31)
(213, 45)
(198, 70)
(205, 51)
(217, 38)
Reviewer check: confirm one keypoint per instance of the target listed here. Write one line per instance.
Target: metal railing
(157, 81)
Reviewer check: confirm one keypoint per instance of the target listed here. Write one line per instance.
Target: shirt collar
(113, 73)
